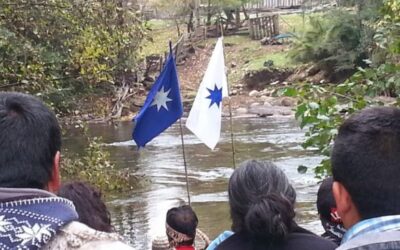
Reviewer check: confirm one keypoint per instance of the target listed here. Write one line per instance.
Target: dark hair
(184, 220)
(29, 139)
(88, 204)
(366, 160)
(261, 201)
(325, 200)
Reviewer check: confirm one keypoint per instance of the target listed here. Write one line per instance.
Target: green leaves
(94, 167)
(322, 109)
(46, 46)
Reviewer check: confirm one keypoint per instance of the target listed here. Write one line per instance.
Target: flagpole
(230, 110)
(184, 161)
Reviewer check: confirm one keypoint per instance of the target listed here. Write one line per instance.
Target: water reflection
(140, 215)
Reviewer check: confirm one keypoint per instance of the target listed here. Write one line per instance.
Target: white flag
(205, 116)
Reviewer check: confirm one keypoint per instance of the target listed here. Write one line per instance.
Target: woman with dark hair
(261, 202)
(88, 204)
(181, 227)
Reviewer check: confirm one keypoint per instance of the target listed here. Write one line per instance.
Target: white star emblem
(161, 99)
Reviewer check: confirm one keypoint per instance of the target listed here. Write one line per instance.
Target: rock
(274, 83)
(288, 102)
(254, 93)
(234, 92)
(267, 98)
(255, 104)
(264, 111)
(241, 111)
(312, 70)
(233, 65)
(285, 112)
(267, 104)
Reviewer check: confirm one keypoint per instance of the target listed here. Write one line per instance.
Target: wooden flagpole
(230, 107)
(184, 161)
(182, 140)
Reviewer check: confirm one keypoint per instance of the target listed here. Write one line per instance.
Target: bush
(67, 45)
(322, 109)
(337, 43)
(94, 167)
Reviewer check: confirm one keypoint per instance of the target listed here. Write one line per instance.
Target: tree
(59, 48)
(322, 109)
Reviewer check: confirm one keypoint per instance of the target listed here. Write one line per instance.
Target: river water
(139, 215)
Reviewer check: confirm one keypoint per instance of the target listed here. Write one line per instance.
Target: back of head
(325, 202)
(181, 226)
(88, 204)
(327, 210)
(366, 161)
(29, 140)
(261, 201)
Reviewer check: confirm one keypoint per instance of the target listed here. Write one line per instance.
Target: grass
(161, 31)
(280, 59)
(249, 54)
(295, 23)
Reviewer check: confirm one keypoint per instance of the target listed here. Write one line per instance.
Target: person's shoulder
(76, 235)
(220, 238)
(235, 241)
(374, 240)
(306, 240)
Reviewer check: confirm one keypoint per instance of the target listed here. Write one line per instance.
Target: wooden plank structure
(265, 26)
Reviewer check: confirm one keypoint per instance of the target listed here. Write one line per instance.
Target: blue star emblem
(215, 96)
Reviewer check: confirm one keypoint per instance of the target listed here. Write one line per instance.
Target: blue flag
(162, 108)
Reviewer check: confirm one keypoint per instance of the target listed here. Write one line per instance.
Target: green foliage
(336, 42)
(66, 46)
(95, 168)
(322, 109)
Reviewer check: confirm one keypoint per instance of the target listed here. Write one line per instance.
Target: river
(140, 215)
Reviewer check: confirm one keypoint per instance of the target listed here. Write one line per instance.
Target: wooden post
(251, 28)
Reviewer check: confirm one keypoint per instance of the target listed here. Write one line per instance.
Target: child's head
(181, 226)
(88, 204)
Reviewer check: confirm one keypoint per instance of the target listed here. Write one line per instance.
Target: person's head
(327, 210)
(261, 201)
(30, 141)
(181, 226)
(326, 204)
(366, 165)
(88, 204)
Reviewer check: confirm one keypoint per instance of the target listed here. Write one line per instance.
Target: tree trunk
(197, 12)
(246, 15)
(190, 26)
(209, 14)
(237, 17)
(178, 29)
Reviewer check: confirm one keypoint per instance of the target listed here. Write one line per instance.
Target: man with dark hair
(326, 206)
(366, 171)
(31, 216)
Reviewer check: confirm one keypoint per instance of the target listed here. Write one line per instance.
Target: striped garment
(374, 225)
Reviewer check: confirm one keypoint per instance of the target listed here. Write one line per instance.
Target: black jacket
(298, 239)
